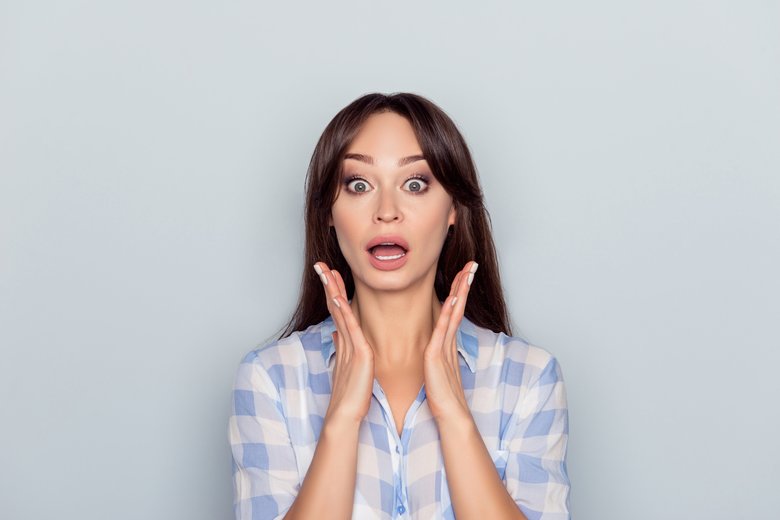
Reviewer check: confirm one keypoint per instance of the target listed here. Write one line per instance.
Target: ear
(452, 216)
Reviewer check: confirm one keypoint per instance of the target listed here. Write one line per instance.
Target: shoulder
(521, 362)
(281, 360)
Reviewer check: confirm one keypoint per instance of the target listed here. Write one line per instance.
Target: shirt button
(401, 510)
(397, 450)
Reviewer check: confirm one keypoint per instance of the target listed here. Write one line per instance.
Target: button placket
(401, 498)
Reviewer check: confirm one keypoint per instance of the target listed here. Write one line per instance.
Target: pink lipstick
(387, 252)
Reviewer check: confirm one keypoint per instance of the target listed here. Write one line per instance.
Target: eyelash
(423, 178)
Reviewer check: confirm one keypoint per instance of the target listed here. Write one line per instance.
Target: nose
(387, 209)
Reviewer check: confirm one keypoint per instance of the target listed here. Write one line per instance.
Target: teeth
(394, 257)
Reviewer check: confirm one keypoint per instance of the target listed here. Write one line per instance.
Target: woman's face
(389, 194)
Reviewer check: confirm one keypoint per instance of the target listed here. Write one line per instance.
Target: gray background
(153, 157)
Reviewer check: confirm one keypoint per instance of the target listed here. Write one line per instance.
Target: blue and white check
(515, 391)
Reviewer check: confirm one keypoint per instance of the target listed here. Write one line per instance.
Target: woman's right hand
(353, 374)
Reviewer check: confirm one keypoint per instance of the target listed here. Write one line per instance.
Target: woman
(397, 389)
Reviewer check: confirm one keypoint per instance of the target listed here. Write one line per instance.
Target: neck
(397, 324)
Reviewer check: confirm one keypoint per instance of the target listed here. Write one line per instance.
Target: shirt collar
(466, 340)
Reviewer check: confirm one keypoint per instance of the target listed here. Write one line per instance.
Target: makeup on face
(390, 207)
(387, 252)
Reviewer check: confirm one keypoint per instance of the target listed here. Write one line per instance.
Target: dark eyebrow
(370, 160)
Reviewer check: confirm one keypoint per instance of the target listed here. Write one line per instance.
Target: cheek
(347, 230)
(431, 229)
(436, 217)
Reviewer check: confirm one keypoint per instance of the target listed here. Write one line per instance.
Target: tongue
(387, 250)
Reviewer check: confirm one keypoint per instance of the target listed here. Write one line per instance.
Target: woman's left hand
(443, 387)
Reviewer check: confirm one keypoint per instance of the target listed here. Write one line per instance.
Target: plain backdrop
(152, 164)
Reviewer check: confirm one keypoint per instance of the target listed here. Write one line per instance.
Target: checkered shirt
(515, 392)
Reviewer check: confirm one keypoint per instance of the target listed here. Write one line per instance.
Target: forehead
(385, 134)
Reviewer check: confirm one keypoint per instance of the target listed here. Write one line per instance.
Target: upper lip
(388, 239)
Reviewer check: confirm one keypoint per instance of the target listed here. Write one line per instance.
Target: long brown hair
(447, 154)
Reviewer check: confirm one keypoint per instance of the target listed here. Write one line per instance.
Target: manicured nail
(473, 268)
(322, 275)
(337, 303)
(452, 304)
(470, 278)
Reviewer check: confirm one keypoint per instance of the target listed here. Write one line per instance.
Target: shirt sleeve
(265, 473)
(536, 475)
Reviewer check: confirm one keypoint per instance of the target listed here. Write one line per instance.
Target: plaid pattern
(517, 398)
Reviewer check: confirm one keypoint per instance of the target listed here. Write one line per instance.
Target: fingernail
(470, 278)
(473, 268)
(452, 304)
(322, 275)
(337, 303)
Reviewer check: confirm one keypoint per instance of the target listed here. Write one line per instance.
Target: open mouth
(387, 251)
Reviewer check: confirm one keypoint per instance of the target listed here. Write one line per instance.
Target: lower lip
(387, 265)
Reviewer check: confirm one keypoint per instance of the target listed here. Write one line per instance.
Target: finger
(355, 332)
(339, 353)
(328, 285)
(461, 281)
(439, 331)
(322, 269)
(450, 344)
(342, 327)
(457, 366)
(340, 282)
(331, 292)
(460, 304)
(448, 349)
(454, 285)
(459, 278)
(439, 337)
(448, 341)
